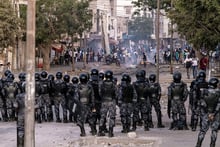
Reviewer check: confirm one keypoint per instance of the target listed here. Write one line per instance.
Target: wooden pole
(171, 45)
(29, 138)
(158, 39)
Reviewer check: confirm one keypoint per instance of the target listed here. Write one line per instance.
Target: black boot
(124, 129)
(101, 132)
(134, 126)
(199, 143)
(93, 130)
(110, 133)
(39, 120)
(128, 128)
(146, 127)
(159, 124)
(82, 129)
(105, 129)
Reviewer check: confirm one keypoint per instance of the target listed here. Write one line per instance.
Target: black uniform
(177, 95)
(107, 91)
(9, 91)
(127, 96)
(84, 98)
(196, 87)
(155, 95)
(19, 105)
(143, 101)
(209, 107)
(46, 101)
(58, 89)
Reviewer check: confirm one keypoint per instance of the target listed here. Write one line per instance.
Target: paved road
(67, 135)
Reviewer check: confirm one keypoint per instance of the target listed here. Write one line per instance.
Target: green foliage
(141, 28)
(9, 26)
(142, 5)
(56, 17)
(198, 21)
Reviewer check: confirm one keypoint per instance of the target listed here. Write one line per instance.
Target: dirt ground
(67, 135)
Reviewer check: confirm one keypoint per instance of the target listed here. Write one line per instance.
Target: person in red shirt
(203, 64)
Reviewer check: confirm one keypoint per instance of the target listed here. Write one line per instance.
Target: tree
(57, 17)
(198, 21)
(142, 5)
(9, 26)
(141, 28)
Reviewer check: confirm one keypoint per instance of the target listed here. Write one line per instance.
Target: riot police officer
(196, 88)
(155, 95)
(107, 91)
(143, 101)
(22, 78)
(94, 82)
(9, 92)
(19, 105)
(126, 98)
(46, 100)
(209, 107)
(58, 89)
(2, 102)
(84, 98)
(38, 98)
(177, 95)
(66, 79)
(72, 104)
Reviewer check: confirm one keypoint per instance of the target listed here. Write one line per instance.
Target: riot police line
(92, 97)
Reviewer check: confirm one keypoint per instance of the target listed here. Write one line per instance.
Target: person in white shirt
(195, 61)
(188, 65)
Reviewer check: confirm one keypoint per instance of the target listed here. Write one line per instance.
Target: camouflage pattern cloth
(209, 114)
(58, 88)
(177, 95)
(143, 103)
(46, 109)
(155, 95)
(126, 98)
(19, 104)
(9, 91)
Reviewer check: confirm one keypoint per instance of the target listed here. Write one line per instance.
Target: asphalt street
(68, 134)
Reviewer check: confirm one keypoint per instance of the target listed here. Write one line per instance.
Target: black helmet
(109, 75)
(213, 82)
(37, 76)
(23, 77)
(202, 75)
(177, 76)
(101, 76)
(66, 78)
(152, 78)
(126, 78)
(140, 75)
(83, 78)
(59, 75)
(7, 72)
(144, 72)
(43, 74)
(20, 76)
(94, 72)
(75, 80)
(51, 77)
(10, 77)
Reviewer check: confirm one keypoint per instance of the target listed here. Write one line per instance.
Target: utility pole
(29, 137)
(171, 44)
(158, 38)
